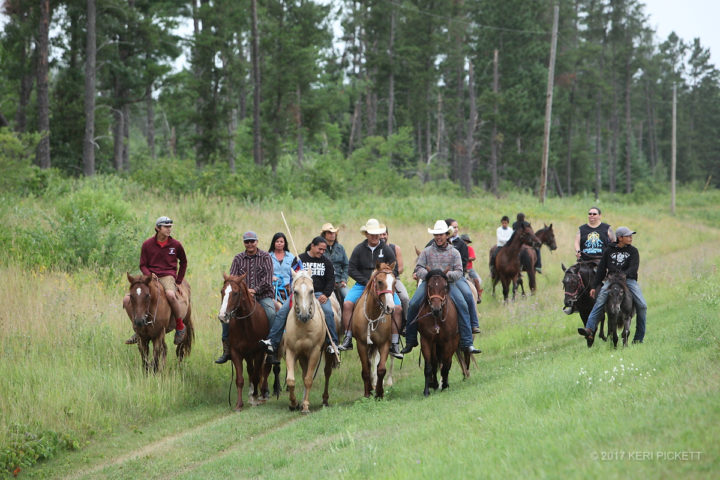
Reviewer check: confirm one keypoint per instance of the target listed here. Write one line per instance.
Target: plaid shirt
(434, 257)
(259, 271)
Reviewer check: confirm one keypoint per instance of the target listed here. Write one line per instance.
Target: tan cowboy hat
(328, 227)
(440, 227)
(373, 227)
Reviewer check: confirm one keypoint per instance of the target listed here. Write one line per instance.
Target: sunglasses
(593, 213)
(249, 241)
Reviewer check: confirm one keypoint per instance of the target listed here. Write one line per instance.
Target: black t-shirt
(593, 241)
(322, 273)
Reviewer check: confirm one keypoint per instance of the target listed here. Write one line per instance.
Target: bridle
(373, 322)
(579, 290)
(233, 313)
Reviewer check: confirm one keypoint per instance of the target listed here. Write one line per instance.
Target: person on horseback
(258, 267)
(283, 262)
(455, 240)
(323, 277)
(164, 256)
(336, 253)
(365, 256)
(619, 257)
(399, 268)
(519, 222)
(471, 273)
(593, 237)
(440, 256)
(503, 234)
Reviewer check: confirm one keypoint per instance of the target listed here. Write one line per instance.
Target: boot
(408, 348)
(471, 349)
(226, 353)
(132, 340)
(347, 343)
(395, 351)
(271, 359)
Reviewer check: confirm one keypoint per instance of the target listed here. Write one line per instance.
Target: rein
(233, 312)
(578, 292)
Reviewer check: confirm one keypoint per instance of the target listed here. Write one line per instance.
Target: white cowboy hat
(328, 227)
(440, 227)
(373, 227)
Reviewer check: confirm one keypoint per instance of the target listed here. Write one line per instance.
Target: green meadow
(75, 403)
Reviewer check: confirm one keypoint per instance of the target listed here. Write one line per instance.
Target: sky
(689, 19)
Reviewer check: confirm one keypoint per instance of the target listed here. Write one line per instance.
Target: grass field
(538, 404)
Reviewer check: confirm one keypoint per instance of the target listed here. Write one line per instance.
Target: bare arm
(577, 245)
(611, 235)
(399, 258)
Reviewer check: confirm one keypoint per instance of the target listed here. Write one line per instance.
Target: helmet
(163, 221)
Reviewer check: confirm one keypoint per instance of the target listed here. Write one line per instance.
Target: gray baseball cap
(249, 236)
(624, 232)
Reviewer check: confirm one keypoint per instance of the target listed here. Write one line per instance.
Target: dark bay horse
(438, 327)
(507, 260)
(152, 318)
(528, 256)
(248, 325)
(619, 307)
(577, 283)
(371, 326)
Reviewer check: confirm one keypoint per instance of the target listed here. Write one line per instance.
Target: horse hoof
(426, 393)
(305, 412)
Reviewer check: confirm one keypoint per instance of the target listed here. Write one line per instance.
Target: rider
(619, 257)
(460, 246)
(258, 267)
(336, 253)
(323, 277)
(160, 255)
(593, 237)
(365, 256)
(282, 261)
(399, 268)
(519, 222)
(440, 255)
(471, 273)
(503, 234)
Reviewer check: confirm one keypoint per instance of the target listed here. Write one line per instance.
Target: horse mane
(435, 273)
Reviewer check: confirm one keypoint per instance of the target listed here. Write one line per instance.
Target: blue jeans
(640, 309)
(456, 295)
(469, 300)
(267, 303)
(276, 332)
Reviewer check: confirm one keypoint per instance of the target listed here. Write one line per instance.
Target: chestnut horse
(371, 326)
(528, 256)
(304, 339)
(248, 325)
(438, 326)
(507, 260)
(152, 318)
(619, 307)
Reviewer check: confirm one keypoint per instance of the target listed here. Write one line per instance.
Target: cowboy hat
(440, 227)
(328, 227)
(373, 227)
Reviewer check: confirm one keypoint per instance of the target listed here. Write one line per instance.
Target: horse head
(617, 292)
(573, 285)
(303, 295)
(234, 293)
(383, 285)
(548, 237)
(140, 299)
(527, 236)
(437, 288)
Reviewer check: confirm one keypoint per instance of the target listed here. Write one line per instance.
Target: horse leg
(328, 371)
(276, 382)
(365, 364)
(445, 370)
(427, 358)
(382, 370)
(308, 372)
(290, 377)
(239, 379)
(260, 378)
(144, 348)
(161, 356)
(265, 390)
(506, 289)
(531, 279)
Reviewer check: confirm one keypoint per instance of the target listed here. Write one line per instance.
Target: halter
(581, 288)
(443, 301)
(373, 322)
(232, 313)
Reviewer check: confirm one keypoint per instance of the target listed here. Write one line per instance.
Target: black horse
(619, 307)
(578, 282)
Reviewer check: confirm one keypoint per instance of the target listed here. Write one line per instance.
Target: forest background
(304, 97)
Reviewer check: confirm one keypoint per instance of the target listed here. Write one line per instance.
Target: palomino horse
(528, 256)
(507, 260)
(371, 325)
(304, 339)
(577, 283)
(248, 325)
(438, 326)
(619, 307)
(152, 318)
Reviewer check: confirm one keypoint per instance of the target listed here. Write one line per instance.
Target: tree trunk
(468, 164)
(232, 129)
(90, 53)
(118, 139)
(598, 149)
(27, 60)
(299, 125)
(257, 139)
(391, 80)
(628, 130)
(494, 133)
(150, 120)
(43, 102)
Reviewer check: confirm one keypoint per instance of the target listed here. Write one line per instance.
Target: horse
(619, 306)
(577, 283)
(528, 256)
(507, 260)
(248, 325)
(304, 340)
(438, 326)
(371, 326)
(152, 318)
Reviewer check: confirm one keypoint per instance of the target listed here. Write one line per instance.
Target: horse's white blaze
(389, 298)
(226, 298)
(138, 291)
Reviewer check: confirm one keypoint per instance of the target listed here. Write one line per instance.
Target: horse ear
(392, 265)
(417, 252)
(130, 279)
(550, 227)
(225, 276)
(294, 273)
(563, 267)
(147, 279)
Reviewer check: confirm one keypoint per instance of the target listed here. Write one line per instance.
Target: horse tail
(186, 345)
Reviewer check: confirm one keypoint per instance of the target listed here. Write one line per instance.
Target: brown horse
(152, 318)
(371, 326)
(248, 325)
(304, 340)
(528, 256)
(507, 260)
(438, 327)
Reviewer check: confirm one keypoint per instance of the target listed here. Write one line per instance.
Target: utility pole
(548, 107)
(673, 153)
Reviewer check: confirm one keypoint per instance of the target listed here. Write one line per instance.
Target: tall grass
(540, 405)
